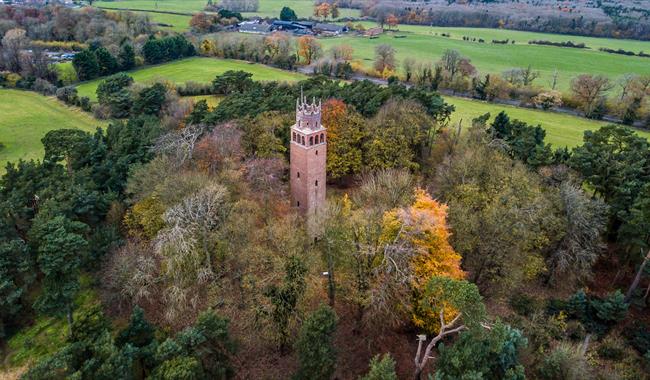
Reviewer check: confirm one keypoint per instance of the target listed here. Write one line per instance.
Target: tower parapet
(308, 115)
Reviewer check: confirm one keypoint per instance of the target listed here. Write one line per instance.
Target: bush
(191, 88)
(67, 95)
(524, 304)
(381, 368)
(44, 87)
(611, 348)
(575, 330)
(84, 103)
(564, 363)
(612, 308)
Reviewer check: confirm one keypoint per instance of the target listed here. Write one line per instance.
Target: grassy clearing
(494, 58)
(47, 334)
(267, 8)
(196, 69)
(561, 129)
(211, 100)
(27, 117)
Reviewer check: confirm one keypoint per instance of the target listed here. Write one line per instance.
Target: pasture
(496, 58)
(28, 116)
(197, 69)
(267, 8)
(561, 129)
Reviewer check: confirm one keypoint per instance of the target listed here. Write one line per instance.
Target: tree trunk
(331, 287)
(69, 315)
(637, 278)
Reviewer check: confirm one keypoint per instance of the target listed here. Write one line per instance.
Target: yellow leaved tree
(420, 233)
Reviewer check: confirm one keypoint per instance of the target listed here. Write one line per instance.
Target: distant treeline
(568, 44)
(625, 52)
(473, 17)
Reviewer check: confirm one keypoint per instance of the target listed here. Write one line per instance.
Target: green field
(561, 129)
(197, 69)
(267, 8)
(28, 116)
(494, 58)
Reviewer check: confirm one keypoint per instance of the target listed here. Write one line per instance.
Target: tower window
(316, 182)
(322, 138)
(303, 140)
(298, 203)
(298, 175)
(317, 153)
(311, 140)
(294, 136)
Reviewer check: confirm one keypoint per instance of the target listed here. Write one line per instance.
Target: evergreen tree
(287, 14)
(150, 100)
(126, 57)
(107, 63)
(381, 368)
(199, 112)
(60, 247)
(85, 64)
(483, 354)
(316, 352)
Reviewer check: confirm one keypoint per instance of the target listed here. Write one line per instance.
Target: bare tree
(180, 144)
(13, 43)
(408, 66)
(450, 62)
(384, 58)
(186, 245)
(590, 91)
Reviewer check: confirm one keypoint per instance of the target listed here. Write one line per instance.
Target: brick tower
(308, 154)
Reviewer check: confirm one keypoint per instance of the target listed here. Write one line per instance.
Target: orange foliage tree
(322, 10)
(392, 21)
(308, 48)
(422, 229)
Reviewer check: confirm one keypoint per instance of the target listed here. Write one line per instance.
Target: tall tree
(126, 57)
(288, 14)
(459, 307)
(315, 346)
(589, 91)
(85, 64)
(309, 48)
(615, 163)
(60, 247)
(345, 132)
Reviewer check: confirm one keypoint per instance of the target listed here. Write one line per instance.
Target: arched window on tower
(303, 140)
(294, 136)
(322, 138)
(311, 140)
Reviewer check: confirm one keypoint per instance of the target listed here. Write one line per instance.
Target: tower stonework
(308, 157)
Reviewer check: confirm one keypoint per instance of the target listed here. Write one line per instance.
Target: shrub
(575, 330)
(84, 103)
(612, 308)
(381, 368)
(611, 348)
(67, 95)
(191, 88)
(564, 363)
(44, 87)
(524, 304)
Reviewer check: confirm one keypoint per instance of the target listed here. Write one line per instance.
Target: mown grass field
(25, 117)
(561, 129)
(267, 8)
(421, 43)
(197, 69)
